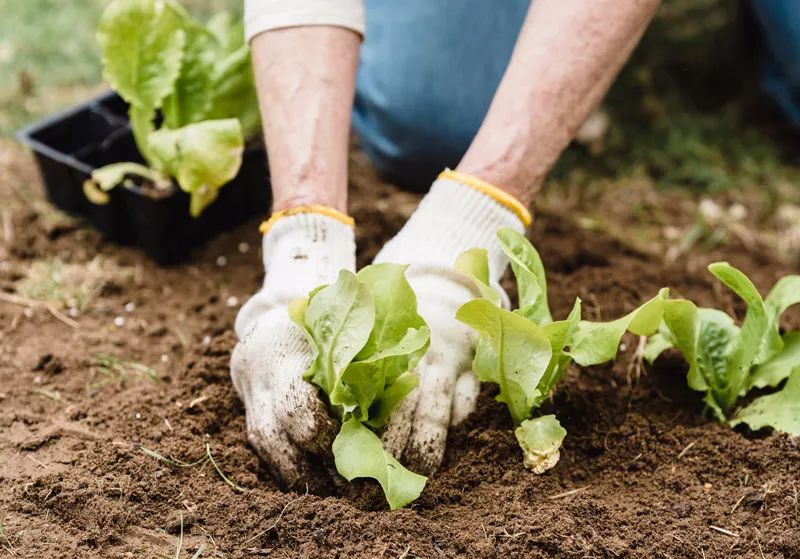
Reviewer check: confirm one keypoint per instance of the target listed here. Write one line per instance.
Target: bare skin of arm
(566, 57)
(567, 54)
(306, 83)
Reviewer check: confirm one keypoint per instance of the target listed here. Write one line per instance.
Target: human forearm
(567, 54)
(306, 80)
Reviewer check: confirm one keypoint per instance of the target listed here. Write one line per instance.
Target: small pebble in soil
(37, 380)
(206, 340)
(178, 404)
(244, 248)
(138, 415)
(232, 301)
(707, 487)
(119, 321)
(130, 307)
(28, 313)
(222, 261)
(73, 312)
(623, 347)
(164, 358)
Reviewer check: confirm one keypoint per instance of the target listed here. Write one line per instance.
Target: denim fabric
(780, 23)
(428, 72)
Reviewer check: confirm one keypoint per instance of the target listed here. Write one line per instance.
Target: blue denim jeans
(780, 25)
(428, 71)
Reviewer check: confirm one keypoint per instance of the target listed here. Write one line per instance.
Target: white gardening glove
(460, 212)
(287, 424)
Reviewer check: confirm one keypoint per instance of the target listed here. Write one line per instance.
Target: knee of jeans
(411, 142)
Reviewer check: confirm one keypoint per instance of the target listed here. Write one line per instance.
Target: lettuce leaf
(780, 410)
(203, 157)
(540, 439)
(196, 77)
(726, 361)
(142, 43)
(359, 453)
(367, 336)
(526, 353)
(520, 353)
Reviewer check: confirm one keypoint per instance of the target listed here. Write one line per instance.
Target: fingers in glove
(398, 429)
(465, 396)
(305, 417)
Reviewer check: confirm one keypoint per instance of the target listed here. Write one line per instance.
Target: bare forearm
(306, 80)
(566, 57)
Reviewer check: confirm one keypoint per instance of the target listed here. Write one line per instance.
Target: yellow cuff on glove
(312, 209)
(500, 196)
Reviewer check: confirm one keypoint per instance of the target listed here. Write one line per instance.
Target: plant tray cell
(69, 145)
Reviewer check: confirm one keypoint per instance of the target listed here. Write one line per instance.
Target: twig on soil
(172, 461)
(39, 462)
(9, 547)
(568, 493)
(55, 396)
(405, 553)
(34, 304)
(278, 519)
(505, 534)
(222, 475)
(198, 400)
(180, 541)
(736, 505)
(685, 450)
(169, 426)
(199, 551)
(723, 531)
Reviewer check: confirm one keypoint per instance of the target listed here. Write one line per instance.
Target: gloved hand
(460, 212)
(287, 424)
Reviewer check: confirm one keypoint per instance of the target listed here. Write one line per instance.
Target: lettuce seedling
(727, 361)
(367, 337)
(525, 352)
(195, 80)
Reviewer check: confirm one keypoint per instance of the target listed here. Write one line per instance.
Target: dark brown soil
(643, 473)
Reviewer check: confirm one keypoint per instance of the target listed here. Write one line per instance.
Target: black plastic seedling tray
(70, 145)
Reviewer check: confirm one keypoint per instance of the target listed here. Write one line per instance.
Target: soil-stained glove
(460, 212)
(287, 423)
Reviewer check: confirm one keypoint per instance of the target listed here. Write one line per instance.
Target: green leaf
(540, 439)
(780, 410)
(234, 91)
(141, 119)
(529, 271)
(142, 45)
(780, 366)
(395, 306)
(784, 294)
(106, 178)
(367, 336)
(752, 331)
(358, 453)
(598, 342)
(522, 352)
(391, 398)
(474, 263)
(657, 344)
(367, 379)
(203, 157)
(339, 318)
(561, 335)
(228, 31)
(706, 338)
(190, 99)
